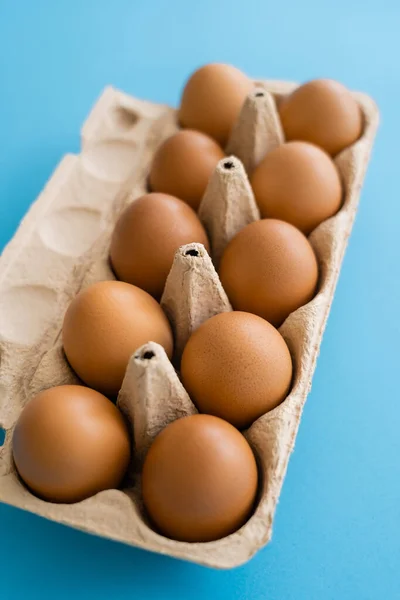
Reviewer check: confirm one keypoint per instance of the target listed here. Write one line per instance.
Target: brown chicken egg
(183, 165)
(70, 443)
(269, 268)
(299, 183)
(236, 366)
(322, 112)
(146, 237)
(212, 100)
(199, 479)
(103, 327)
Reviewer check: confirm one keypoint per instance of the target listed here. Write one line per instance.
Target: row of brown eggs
(71, 442)
(297, 182)
(199, 479)
(322, 112)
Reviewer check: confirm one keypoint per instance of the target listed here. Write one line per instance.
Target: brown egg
(298, 183)
(199, 479)
(212, 100)
(269, 269)
(236, 366)
(183, 165)
(146, 237)
(103, 327)
(70, 443)
(324, 113)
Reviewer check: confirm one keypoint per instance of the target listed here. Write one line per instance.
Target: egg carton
(62, 246)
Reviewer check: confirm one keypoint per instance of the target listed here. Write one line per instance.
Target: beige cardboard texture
(62, 246)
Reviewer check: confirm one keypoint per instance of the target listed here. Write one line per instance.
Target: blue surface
(337, 528)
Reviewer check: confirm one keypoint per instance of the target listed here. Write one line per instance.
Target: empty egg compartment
(62, 246)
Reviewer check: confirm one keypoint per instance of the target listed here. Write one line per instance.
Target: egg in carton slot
(62, 246)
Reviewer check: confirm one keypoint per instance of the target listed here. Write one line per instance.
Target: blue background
(337, 528)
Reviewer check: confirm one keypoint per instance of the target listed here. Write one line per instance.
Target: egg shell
(299, 183)
(103, 327)
(323, 112)
(70, 443)
(146, 237)
(269, 269)
(199, 479)
(183, 165)
(212, 100)
(236, 366)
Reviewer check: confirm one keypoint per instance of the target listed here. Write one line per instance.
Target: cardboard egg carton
(62, 246)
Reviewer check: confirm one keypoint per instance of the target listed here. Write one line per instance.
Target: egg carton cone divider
(62, 246)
